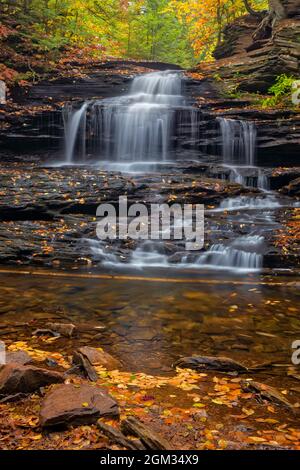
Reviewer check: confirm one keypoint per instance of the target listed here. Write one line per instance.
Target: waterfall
(73, 121)
(132, 128)
(238, 141)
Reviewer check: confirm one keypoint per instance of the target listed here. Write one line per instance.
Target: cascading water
(140, 128)
(239, 256)
(238, 153)
(137, 127)
(73, 122)
(238, 141)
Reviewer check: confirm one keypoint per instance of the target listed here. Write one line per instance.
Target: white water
(240, 256)
(137, 127)
(73, 122)
(238, 141)
(248, 203)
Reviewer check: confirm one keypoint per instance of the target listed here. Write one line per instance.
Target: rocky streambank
(49, 214)
(56, 393)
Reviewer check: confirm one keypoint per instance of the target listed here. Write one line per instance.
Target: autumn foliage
(176, 31)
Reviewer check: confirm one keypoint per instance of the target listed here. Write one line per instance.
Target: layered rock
(74, 405)
(260, 51)
(18, 378)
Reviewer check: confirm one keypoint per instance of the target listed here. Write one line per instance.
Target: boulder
(18, 378)
(75, 405)
(18, 357)
(98, 357)
(293, 188)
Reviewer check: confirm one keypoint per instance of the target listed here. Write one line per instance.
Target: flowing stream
(140, 128)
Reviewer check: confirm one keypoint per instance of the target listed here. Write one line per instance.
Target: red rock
(69, 405)
(17, 378)
(18, 357)
(99, 358)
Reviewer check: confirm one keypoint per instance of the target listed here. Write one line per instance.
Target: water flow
(137, 127)
(73, 122)
(241, 255)
(238, 141)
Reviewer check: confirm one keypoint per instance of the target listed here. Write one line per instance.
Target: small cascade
(75, 125)
(238, 141)
(138, 127)
(149, 255)
(241, 255)
(248, 203)
(239, 152)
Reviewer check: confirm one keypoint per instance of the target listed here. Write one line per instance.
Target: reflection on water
(150, 324)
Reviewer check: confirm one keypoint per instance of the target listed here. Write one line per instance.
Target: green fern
(280, 90)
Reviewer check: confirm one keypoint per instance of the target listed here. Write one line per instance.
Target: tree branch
(251, 10)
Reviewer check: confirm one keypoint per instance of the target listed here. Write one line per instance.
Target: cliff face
(237, 37)
(257, 52)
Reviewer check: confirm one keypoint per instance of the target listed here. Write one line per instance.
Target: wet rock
(17, 378)
(83, 364)
(64, 329)
(44, 332)
(293, 188)
(75, 405)
(151, 440)
(18, 357)
(223, 364)
(280, 177)
(266, 392)
(119, 438)
(98, 357)
(12, 398)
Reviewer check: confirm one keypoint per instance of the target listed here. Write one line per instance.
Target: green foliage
(140, 29)
(281, 89)
(154, 33)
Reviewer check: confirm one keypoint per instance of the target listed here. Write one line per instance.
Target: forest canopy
(177, 31)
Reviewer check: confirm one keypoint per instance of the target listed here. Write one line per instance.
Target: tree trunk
(276, 12)
(251, 10)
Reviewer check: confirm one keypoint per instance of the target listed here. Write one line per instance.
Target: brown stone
(151, 440)
(18, 357)
(97, 357)
(17, 378)
(64, 329)
(220, 363)
(293, 188)
(69, 405)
